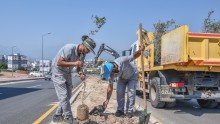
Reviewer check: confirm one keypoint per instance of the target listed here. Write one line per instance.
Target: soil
(94, 95)
(82, 112)
(16, 75)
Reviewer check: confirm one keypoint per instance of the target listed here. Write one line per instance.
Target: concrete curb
(6, 81)
(73, 97)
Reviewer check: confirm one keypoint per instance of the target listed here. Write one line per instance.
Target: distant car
(48, 76)
(36, 74)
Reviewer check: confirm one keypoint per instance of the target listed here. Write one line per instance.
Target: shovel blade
(144, 117)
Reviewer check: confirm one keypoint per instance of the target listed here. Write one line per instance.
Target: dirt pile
(95, 94)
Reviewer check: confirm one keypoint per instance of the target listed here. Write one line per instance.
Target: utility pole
(43, 51)
(12, 54)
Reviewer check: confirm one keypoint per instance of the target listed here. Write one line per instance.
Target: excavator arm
(108, 50)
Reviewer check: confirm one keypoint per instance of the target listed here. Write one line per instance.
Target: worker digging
(69, 56)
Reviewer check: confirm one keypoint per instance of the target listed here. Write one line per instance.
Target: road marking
(40, 119)
(1, 93)
(34, 86)
(16, 82)
(159, 122)
(53, 103)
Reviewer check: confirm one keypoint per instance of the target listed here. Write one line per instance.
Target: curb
(73, 97)
(6, 81)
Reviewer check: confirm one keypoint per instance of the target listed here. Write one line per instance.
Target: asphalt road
(24, 102)
(185, 112)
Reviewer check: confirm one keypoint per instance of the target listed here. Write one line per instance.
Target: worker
(127, 76)
(69, 56)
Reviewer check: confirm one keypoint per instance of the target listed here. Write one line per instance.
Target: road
(24, 102)
(185, 112)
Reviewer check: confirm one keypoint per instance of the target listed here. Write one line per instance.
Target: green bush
(3, 66)
(35, 69)
(21, 68)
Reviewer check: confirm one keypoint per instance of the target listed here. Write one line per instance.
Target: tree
(21, 68)
(34, 69)
(99, 22)
(3, 66)
(161, 28)
(211, 25)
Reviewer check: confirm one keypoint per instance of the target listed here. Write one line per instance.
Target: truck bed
(186, 51)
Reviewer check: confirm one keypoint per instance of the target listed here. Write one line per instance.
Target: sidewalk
(6, 80)
(95, 94)
(7, 77)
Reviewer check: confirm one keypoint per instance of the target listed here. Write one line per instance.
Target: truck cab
(134, 47)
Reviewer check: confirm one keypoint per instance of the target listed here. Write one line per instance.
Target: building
(45, 66)
(35, 65)
(17, 60)
(3, 59)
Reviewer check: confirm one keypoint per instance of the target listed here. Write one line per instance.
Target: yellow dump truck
(189, 69)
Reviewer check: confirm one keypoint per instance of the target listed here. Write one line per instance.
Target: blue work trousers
(131, 85)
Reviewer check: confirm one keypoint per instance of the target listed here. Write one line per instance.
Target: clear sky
(23, 22)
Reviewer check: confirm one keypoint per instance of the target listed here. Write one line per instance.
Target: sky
(23, 22)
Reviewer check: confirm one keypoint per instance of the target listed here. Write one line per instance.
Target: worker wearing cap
(69, 56)
(127, 76)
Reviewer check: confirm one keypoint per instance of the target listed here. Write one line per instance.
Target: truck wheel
(207, 103)
(170, 104)
(203, 103)
(213, 104)
(155, 93)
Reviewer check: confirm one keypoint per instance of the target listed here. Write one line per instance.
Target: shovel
(144, 117)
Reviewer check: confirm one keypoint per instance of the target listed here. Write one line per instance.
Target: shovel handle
(142, 67)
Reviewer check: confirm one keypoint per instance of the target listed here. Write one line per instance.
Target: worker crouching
(127, 77)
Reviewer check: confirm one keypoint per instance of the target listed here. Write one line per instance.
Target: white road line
(17, 82)
(34, 86)
(53, 103)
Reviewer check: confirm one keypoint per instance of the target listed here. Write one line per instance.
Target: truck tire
(207, 103)
(155, 93)
(213, 104)
(170, 104)
(203, 103)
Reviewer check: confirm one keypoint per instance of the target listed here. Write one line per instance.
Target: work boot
(57, 118)
(119, 113)
(70, 120)
(129, 114)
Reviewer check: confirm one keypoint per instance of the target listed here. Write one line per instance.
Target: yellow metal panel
(173, 46)
(186, 68)
(214, 50)
(204, 47)
(196, 45)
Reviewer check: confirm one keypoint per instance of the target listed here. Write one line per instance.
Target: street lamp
(43, 50)
(12, 52)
